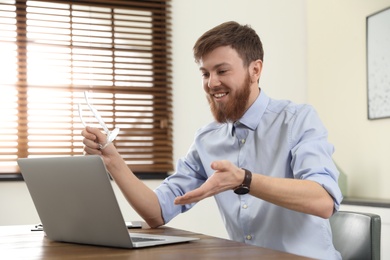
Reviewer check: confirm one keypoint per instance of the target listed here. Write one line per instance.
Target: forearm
(299, 195)
(141, 197)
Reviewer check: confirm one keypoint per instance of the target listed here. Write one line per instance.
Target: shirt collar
(252, 116)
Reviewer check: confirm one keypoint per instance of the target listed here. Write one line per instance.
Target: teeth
(219, 95)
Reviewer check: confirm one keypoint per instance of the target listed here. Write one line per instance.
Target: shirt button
(244, 206)
(243, 141)
(248, 237)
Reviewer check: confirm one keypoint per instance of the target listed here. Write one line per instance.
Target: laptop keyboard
(144, 239)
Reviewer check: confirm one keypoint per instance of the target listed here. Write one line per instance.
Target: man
(267, 163)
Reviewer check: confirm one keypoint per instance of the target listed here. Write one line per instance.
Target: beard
(235, 108)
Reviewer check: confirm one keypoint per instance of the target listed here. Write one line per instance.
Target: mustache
(218, 90)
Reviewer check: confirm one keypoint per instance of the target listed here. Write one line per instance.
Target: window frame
(161, 55)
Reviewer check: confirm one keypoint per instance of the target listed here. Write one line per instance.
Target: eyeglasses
(110, 135)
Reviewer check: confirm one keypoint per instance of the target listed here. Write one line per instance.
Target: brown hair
(241, 38)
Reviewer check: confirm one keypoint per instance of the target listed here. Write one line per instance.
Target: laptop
(76, 203)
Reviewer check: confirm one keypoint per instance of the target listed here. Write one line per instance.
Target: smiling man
(267, 162)
(229, 86)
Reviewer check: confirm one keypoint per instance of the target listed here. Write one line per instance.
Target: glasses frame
(110, 135)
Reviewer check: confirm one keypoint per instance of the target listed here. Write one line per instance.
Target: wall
(337, 88)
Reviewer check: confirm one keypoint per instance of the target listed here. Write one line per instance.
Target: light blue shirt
(277, 138)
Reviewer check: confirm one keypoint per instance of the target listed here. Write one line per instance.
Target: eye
(205, 74)
(220, 72)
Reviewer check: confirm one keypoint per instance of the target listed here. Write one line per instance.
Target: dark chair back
(356, 235)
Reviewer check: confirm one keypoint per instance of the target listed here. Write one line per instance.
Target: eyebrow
(216, 66)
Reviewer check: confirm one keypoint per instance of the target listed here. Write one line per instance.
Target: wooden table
(19, 242)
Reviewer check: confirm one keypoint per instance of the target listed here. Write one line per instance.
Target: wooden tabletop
(19, 242)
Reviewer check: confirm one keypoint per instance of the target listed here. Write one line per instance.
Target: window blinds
(53, 51)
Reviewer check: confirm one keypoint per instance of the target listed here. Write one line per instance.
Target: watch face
(241, 190)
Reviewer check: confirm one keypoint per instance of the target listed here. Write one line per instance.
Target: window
(53, 51)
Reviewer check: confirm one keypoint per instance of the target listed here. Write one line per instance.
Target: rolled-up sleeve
(312, 153)
(189, 175)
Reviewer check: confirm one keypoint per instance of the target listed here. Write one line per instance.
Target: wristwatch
(244, 187)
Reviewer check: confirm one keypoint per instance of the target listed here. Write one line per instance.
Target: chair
(356, 235)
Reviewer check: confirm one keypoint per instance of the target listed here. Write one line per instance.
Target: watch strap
(245, 186)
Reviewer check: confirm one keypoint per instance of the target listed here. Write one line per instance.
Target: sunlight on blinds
(51, 52)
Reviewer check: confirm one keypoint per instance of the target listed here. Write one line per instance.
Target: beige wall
(337, 88)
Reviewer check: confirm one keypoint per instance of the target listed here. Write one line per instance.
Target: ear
(255, 70)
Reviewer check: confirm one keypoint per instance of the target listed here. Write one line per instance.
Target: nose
(213, 81)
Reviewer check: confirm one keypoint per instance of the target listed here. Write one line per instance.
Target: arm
(299, 195)
(140, 197)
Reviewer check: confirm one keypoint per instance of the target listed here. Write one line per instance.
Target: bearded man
(267, 162)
